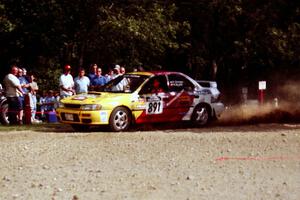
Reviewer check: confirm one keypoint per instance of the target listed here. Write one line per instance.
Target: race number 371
(154, 107)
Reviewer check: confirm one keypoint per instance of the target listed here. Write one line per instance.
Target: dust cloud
(283, 108)
(290, 93)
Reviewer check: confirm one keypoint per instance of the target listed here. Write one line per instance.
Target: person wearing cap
(66, 83)
(116, 71)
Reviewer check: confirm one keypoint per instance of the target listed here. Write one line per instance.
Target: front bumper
(97, 117)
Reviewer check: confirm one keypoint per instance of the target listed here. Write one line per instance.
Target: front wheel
(200, 115)
(119, 119)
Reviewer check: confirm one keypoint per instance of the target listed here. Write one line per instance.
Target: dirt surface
(218, 162)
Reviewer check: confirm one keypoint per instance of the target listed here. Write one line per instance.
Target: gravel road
(219, 162)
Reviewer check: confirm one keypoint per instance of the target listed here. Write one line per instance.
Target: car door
(155, 101)
(181, 96)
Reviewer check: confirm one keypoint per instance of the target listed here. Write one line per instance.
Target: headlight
(91, 107)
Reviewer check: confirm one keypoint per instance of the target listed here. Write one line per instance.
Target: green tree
(49, 34)
(134, 32)
(5, 24)
(245, 38)
(250, 37)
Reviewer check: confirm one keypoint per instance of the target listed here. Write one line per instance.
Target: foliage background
(235, 42)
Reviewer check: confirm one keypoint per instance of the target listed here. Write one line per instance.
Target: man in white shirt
(82, 82)
(66, 83)
(13, 90)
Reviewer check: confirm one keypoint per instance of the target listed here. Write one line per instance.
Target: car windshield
(126, 83)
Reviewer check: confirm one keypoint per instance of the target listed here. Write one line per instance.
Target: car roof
(149, 73)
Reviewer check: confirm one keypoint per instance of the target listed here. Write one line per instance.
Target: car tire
(80, 127)
(200, 116)
(4, 113)
(119, 119)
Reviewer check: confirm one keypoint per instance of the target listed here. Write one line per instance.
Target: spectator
(33, 87)
(93, 71)
(57, 98)
(50, 101)
(109, 75)
(82, 82)
(13, 89)
(43, 106)
(48, 104)
(22, 76)
(66, 83)
(116, 72)
(25, 87)
(122, 70)
(98, 80)
(25, 74)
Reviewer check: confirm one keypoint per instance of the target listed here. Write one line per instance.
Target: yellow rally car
(140, 97)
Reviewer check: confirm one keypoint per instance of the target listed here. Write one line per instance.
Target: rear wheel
(119, 119)
(4, 113)
(201, 115)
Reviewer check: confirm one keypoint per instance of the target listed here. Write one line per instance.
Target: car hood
(99, 97)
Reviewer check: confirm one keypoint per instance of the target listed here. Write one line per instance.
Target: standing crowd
(83, 83)
(20, 87)
(21, 90)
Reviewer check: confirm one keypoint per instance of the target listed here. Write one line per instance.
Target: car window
(149, 87)
(178, 82)
(127, 83)
(204, 84)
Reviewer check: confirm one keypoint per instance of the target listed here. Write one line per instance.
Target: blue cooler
(52, 117)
